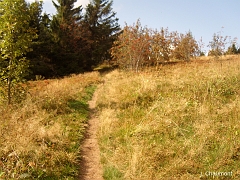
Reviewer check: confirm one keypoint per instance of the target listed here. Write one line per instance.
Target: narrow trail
(91, 168)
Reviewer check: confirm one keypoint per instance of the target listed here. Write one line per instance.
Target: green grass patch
(112, 173)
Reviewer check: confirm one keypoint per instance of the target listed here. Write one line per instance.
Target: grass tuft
(40, 139)
(176, 123)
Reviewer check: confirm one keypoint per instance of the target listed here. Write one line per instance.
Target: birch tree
(16, 37)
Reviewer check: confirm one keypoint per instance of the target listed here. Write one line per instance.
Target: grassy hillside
(175, 123)
(40, 138)
(178, 122)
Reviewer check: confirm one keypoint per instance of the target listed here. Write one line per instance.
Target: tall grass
(40, 138)
(181, 122)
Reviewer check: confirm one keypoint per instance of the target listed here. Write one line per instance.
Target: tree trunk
(9, 83)
(9, 90)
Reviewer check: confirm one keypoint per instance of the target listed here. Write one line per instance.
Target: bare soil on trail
(91, 168)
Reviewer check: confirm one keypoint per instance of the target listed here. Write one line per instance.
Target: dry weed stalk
(171, 124)
(40, 138)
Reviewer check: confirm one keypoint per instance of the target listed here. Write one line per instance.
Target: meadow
(41, 137)
(179, 122)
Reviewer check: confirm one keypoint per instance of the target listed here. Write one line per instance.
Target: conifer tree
(232, 49)
(67, 36)
(16, 37)
(40, 57)
(103, 26)
(65, 20)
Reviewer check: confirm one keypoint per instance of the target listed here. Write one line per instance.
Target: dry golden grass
(40, 138)
(175, 123)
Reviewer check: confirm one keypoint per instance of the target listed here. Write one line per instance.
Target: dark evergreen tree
(232, 49)
(103, 26)
(41, 56)
(65, 21)
(67, 37)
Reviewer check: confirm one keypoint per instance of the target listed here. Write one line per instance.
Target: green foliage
(112, 173)
(201, 53)
(41, 56)
(64, 23)
(16, 38)
(69, 42)
(65, 34)
(232, 49)
(103, 28)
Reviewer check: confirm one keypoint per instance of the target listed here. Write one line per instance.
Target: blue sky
(202, 17)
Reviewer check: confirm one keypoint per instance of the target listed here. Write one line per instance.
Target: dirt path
(91, 168)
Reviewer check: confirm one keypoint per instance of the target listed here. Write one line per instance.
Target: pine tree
(232, 49)
(16, 37)
(67, 36)
(40, 57)
(103, 26)
(65, 21)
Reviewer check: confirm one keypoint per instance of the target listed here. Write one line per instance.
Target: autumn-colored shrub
(132, 49)
(139, 46)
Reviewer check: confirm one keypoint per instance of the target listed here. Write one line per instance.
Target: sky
(202, 17)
